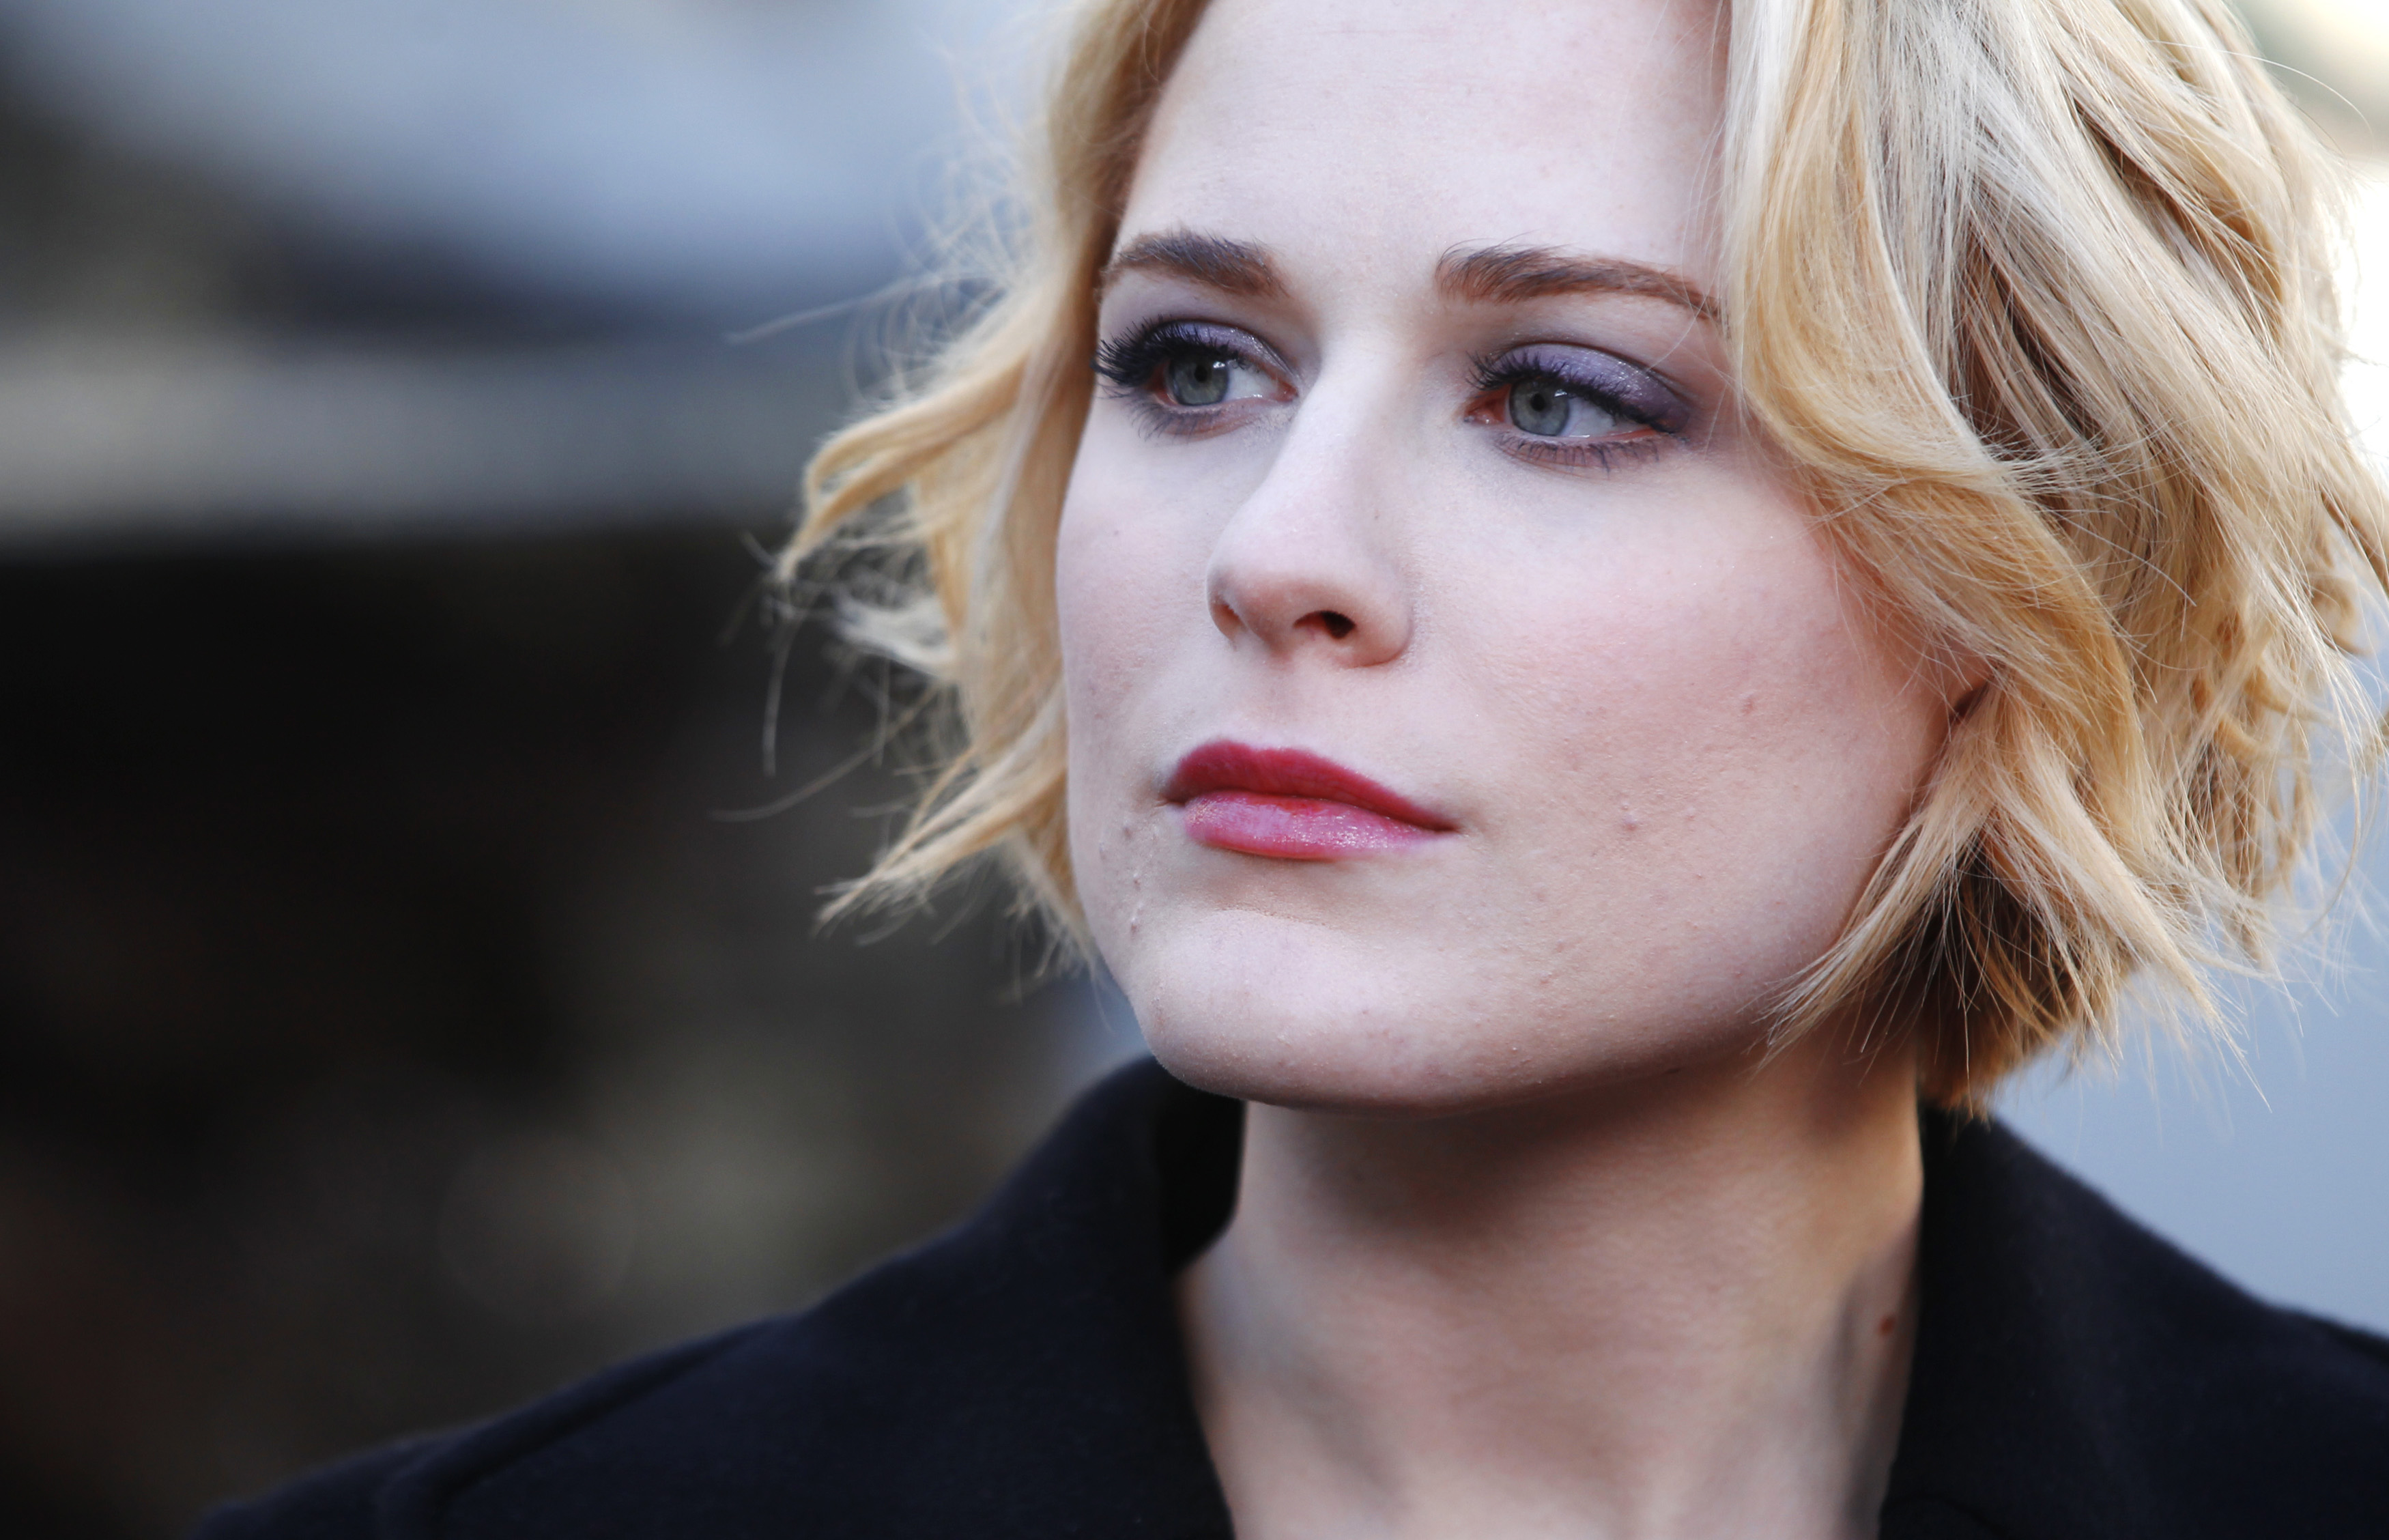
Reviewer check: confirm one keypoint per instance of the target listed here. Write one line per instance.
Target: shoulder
(2075, 1374)
(366, 1494)
(694, 1436)
(701, 1439)
(1020, 1374)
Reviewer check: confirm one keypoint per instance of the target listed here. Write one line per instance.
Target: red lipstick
(1293, 806)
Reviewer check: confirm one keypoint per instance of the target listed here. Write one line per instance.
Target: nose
(1308, 563)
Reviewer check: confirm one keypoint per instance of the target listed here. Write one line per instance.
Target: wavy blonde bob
(2035, 295)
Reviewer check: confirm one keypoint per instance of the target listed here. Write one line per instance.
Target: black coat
(2076, 1378)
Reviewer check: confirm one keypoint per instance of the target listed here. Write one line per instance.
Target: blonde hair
(2035, 297)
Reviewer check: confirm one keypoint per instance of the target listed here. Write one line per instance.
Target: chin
(1299, 1016)
(1329, 1070)
(1256, 1006)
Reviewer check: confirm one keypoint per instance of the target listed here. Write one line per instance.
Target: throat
(1667, 1316)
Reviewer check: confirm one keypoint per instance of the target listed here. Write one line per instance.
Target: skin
(1532, 1238)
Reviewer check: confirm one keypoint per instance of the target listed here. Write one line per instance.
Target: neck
(1679, 1307)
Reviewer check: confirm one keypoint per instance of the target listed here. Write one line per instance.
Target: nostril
(1336, 626)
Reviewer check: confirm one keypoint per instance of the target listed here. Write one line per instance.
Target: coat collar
(1023, 1376)
(2077, 1378)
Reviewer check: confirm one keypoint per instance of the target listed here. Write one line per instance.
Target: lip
(1292, 806)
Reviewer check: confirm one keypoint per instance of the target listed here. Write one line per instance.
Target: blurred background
(398, 1013)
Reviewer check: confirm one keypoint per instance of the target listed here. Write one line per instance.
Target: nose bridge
(1312, 558)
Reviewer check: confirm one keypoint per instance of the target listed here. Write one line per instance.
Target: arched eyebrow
(1485, 274)
(1505, 274)
(1215, 262)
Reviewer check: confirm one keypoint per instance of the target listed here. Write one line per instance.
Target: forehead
(1364, 138)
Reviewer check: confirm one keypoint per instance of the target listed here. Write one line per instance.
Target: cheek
(1122, 586)
(1746, 665)
(1712, 748)
(1111, 574)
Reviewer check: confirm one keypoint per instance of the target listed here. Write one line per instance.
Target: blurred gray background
(398, 1013)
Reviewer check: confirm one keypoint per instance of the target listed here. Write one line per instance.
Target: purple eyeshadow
(1641, 394)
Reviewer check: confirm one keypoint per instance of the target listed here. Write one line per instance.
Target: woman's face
(1462, 705)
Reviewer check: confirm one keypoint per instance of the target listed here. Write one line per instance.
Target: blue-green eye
(1188, 366)
(1547, 408)
(1201, 377)
(1197, 379)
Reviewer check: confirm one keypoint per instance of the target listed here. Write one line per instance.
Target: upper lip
(1225, 765)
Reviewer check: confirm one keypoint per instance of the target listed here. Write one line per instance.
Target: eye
(1182, 369)
(1563, 403)
(1206, 379)
(1547, 408)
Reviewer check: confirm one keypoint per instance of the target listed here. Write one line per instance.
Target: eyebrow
(1230, 266)
(1505, 274)
(1487, 274)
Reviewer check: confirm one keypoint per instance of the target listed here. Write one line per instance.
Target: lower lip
(1295, 829)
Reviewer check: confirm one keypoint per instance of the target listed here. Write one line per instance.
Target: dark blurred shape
(539, 1227)
(389, 1029)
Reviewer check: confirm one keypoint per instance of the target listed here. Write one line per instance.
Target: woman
(1582, 602)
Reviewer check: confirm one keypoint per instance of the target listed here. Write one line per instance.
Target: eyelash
(1495, 378)
(1130, 364)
